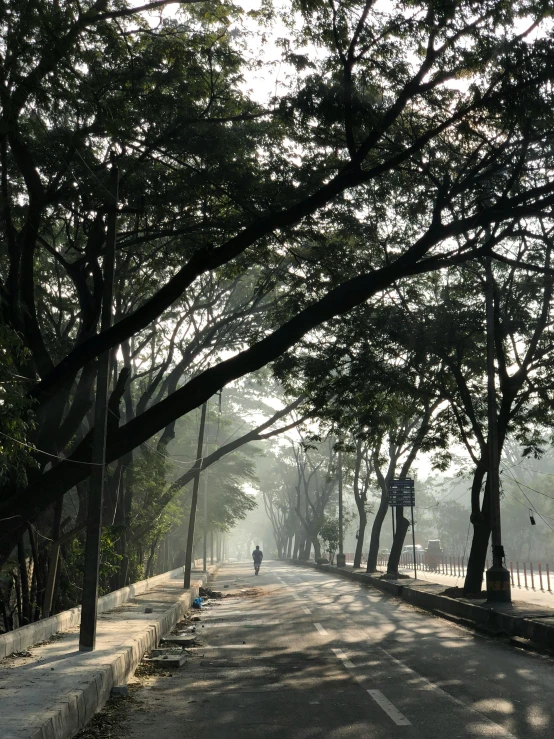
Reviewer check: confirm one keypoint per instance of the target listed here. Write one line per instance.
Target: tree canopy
(403, 140)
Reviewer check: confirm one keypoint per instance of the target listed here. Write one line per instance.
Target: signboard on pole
(402, 493)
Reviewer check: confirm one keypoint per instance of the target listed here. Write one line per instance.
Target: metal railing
(524, 575)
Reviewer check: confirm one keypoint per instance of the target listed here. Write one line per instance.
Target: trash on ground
(182, 641)
(120, 691)
(172, 657)
(210, 593)
(197, 603)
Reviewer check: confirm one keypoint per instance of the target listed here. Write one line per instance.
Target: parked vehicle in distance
(433, 553)
(409, 548)
(384, 552)
(434, 546)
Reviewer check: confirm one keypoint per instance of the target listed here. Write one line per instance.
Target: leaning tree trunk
(376, 533)
(317, 549)
(361, 534)
(299, 541)
(402, 526)
(479, 546)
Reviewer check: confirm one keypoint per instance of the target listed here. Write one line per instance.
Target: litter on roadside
(172, 657)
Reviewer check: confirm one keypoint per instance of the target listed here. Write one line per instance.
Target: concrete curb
(76, 708)
(24, 637)
(538, 627)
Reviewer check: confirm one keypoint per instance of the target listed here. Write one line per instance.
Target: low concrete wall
(538, 628)
(70, 716)
(24, 637)
(73, 711)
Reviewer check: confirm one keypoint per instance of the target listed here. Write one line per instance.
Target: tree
(220, 188)
(451, 327)
(329, 535)
(279, 496)
(316, 482)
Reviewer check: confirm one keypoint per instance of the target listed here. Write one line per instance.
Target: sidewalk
(54, 692)
(519, 595)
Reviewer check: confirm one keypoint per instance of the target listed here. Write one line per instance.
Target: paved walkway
(519, 595)
(52, 692)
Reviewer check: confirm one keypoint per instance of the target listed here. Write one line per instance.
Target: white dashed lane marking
(321, 630)
(342, 656)
(391, 711)
(306, 610)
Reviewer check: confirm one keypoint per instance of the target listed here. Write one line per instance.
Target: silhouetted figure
(257, 556)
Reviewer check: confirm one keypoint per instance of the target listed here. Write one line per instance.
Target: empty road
(311, 655)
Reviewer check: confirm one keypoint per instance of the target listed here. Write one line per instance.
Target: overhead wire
(530, 502)
(435, 505)
(48, 454)
(539, 492)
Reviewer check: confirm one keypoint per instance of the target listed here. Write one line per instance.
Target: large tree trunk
(402, 526)
(361, 534)
(376, 533)
(479, 546)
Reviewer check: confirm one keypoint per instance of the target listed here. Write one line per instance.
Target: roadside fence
(525, 575)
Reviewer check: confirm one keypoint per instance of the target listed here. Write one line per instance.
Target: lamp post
(194, 501)
(87, 634)
(341, 557)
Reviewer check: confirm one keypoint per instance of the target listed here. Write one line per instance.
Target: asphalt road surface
(311, 655)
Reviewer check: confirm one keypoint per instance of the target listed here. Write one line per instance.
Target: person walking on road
(257, 556)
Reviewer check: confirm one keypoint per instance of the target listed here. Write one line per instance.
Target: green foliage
(329, 535)
(329, 532)
(16, 417)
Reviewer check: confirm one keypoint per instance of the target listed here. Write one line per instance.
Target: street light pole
(194, 501)
(498, 577)
(206, 473)
(87, 635)
(341, 559)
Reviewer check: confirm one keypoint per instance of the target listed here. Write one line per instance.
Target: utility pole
(205, 552)
(87, 635)
(498, 577)
(216, 440)
(205, 514)
(194, 501)
(341, 559)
